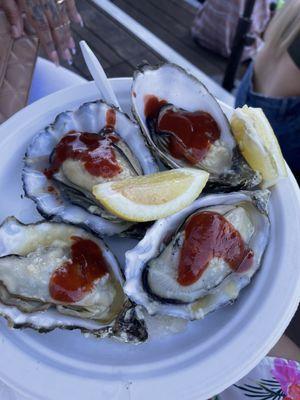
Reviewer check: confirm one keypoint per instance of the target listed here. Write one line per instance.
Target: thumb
(14, 17)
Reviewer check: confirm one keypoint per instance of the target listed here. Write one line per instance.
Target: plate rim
(90, 89)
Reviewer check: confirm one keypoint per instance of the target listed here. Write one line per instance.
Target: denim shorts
(283, 114)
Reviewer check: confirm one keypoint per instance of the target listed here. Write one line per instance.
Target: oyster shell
(170, 105)
(56, 275)
(188, 272)
(62, 192)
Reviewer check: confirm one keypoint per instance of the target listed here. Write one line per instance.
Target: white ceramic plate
(196, 364)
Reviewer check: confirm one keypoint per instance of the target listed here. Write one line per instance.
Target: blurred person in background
(50, 19)
(272, 81)
(216, 22)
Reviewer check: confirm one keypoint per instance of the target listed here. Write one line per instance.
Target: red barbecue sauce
(192, 133)
(51, 189)
(152, 106)
(207, 235)
(74, 279)
(110, 119)
(95, 151)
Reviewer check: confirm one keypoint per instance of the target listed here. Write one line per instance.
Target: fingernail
(67, 56)
(15, 31)
(54, 58)
(80, 20)
(72, 46)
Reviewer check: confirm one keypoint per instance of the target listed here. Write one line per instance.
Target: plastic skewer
(98, 74)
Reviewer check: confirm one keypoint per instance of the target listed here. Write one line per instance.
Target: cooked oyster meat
(60, 267)
(185, 126)
(53, 275)
(193, 138)
(81, 160)
(199, 259)
(67, 273)
(207, 249)
(94, 144)
(87, 159)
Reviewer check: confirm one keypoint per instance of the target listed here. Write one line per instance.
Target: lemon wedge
(258, 144)
(151, 197)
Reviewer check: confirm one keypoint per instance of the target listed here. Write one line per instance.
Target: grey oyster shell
(151, 267)
(60, 199)
(28, 256)
(228, 169)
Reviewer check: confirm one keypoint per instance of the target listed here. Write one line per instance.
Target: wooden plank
(108, 55)
(163, 27)
(181, 15)
(97, 21)
(148, 58)
(112, 34)
(120, 70)
(93, 45)
(78, 61)
(126, 69)
(118, 49)
(176, 30)
(160, 17)
(184, 4)
(125, 43)
(201, 58)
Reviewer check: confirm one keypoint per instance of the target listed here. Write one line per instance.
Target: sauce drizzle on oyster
(95, 151)
(153, 105)
(189, 134)
(110, 120)
(74, 279)
(208, 234)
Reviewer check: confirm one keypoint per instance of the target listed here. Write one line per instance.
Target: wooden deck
(171, 21)
(120, 51)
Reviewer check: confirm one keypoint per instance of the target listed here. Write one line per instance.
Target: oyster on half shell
(186, 127)
(199, 259)
(56, 275)
(93, 144)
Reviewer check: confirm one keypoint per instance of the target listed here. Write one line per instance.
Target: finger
(35, 13)
(68, 35)
(52, 13)
(28, 29)
(59, 23)
(60, 37)
(73, 13)
(14, 17)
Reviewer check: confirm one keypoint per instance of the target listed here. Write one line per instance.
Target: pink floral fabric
(272, 379)
(287, 373)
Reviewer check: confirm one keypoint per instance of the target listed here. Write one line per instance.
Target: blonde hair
(284, 27)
